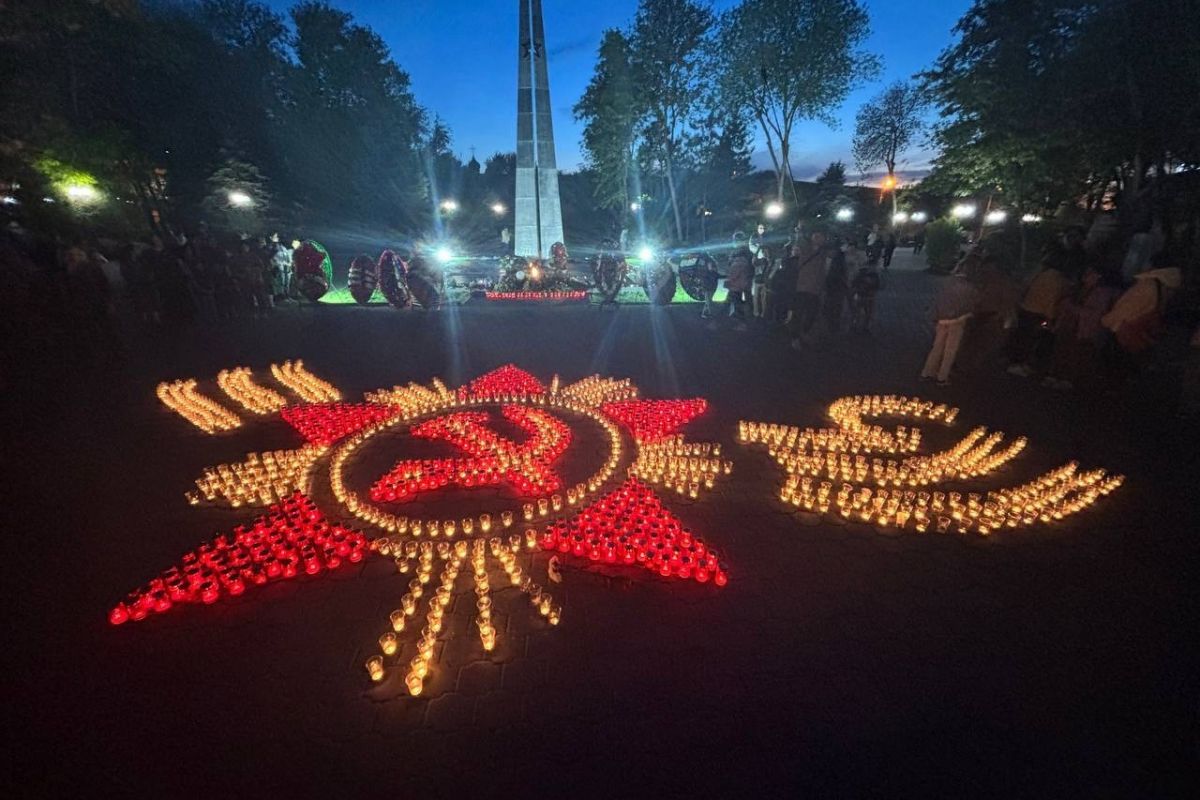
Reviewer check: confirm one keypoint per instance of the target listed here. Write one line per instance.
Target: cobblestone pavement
(1056, 660)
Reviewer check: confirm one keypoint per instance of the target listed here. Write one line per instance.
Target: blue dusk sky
(462, 57)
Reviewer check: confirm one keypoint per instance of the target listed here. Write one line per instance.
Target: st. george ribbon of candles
(881, 481)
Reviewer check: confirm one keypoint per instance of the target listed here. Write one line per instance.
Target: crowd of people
(1088, 319)
(810, 290)
(68, 292)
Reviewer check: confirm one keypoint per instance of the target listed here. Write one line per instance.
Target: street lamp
(995, 217)
(963, 211)
(845, 214)
(82, 193)
(899, 218)
(635, 206)
(240, 199)
(449, 206)
(498, 209)
(1030, 218)
(919, 216)
(773, 210)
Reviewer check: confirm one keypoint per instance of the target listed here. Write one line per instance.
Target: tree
(722, 148)
(352, 131)
(668, 41)
(886, 127)
(789, 60)
(1002, 94)
(609, 112)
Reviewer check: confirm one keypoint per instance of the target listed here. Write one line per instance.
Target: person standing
(781, 284)
(953, 307)
(837, 289)
(874, 245)
(144, 279)
(919, 240)
(810, 282)
(710, 279)
(889, 247)
(1032, 343)
(1079, 332)
(738, 282)
(863, 288)
(762, 269)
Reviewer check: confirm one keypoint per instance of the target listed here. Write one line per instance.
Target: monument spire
(538, 209)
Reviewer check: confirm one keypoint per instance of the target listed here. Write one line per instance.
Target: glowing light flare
(82, 193)
(444, 255)
(844, 214)
(646, 253)
(773, 210)
(919, 216)
(239, 199)
(963, 211)
(995, 216)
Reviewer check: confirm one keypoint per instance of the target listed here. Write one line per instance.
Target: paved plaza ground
(838, 661)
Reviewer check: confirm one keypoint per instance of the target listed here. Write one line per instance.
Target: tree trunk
(762, 121)
(892, 181)
(674, 198)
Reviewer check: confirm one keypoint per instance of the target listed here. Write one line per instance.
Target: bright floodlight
(920, 216)
(1030, 218)
(996, 216)
(240, 199)
(498, 209)
(646, 254)
(635, 207)
(82, 193)
(845, 214)
(449, 206)
(900, 217)
(444, 255)
(963, 211)
(773, 210)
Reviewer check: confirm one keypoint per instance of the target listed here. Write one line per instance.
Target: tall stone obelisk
(538, 211)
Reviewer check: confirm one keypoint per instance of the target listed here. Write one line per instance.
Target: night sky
(462, 56)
